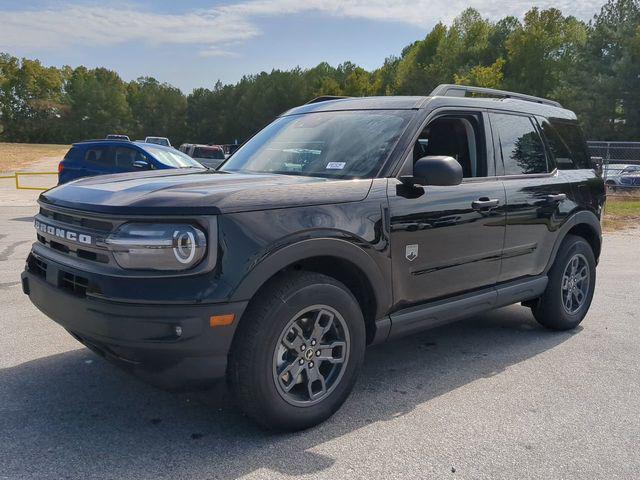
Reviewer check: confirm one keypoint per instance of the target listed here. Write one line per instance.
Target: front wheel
(572, 280)
(297, 352)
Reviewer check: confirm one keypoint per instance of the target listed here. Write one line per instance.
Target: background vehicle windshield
(173, 158)
(348, 144)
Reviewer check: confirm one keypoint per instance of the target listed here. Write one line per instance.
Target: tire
(276, 334)
(558, 308)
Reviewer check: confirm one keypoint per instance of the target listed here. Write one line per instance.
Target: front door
(448, 240)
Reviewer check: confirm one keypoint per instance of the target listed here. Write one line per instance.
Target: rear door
(539, 196)
(90, 161)
(447, 240)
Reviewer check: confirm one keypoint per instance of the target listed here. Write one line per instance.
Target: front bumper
(170, 345)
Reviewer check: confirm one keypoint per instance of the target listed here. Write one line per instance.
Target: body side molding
(441, 312)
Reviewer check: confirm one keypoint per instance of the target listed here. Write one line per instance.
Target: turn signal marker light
(221, 320)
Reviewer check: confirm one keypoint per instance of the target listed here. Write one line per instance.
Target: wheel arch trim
(583, 217)
(308, 249)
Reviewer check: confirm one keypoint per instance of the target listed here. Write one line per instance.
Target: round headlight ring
(184, 246)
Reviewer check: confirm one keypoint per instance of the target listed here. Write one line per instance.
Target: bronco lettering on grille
(63, 233)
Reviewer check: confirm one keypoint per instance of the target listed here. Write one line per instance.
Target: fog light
(178, 330)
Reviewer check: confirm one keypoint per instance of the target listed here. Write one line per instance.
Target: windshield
(347, 144)
(208, 153)
(172, 158)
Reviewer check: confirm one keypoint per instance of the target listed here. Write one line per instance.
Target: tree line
(592, 68)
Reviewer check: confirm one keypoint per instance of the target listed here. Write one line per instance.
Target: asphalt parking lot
(492, 397)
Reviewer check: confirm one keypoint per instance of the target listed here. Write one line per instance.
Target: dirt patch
(20, 156)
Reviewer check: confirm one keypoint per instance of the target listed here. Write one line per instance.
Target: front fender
(316, 247)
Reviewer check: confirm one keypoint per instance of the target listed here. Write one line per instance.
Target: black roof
(419, 102)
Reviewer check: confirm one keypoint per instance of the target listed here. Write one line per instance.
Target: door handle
(560, 197)
(484, 203)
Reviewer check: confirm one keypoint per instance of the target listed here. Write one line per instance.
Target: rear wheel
(569, 292)
(297, 351)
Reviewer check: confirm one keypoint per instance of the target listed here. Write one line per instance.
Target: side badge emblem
(411, 252)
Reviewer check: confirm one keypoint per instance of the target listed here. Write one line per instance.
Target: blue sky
(193, 43)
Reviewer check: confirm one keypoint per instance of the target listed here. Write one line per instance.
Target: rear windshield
(158, 141)
(346, 144)
(72, 154)
(208, 153)
(172, 158)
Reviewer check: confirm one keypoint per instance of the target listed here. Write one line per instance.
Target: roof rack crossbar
(448, 90)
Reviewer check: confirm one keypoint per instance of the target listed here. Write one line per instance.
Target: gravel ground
(492, 397)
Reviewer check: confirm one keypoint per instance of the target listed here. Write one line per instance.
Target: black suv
(344, 223)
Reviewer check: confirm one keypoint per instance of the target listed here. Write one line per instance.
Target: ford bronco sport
(344, 223)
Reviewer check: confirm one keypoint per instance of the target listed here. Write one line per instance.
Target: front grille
(78, 252)
(74, 284)
(37, 266)
(97, 229)
(77, 220)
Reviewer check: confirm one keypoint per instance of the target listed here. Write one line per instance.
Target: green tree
(416, 73)
(31, 102)
(98, 104)
(542, 51)
(592, 69)
(158, 109)
(605, 83)
(480, 76)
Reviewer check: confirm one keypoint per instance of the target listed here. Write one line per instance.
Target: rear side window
(567, 144)
(563, 158)
(98, 156)
(520, 144)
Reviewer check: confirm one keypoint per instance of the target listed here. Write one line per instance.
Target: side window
(521, 147)
(98, 156)
(573, 138)
(458, 136)
(125, 157)
(559, 149)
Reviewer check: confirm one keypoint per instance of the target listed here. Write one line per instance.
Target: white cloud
(215, 31)
(102, 26)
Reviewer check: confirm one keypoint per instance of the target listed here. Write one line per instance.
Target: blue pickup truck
(100, 157)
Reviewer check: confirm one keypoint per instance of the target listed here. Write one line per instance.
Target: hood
(188, 191)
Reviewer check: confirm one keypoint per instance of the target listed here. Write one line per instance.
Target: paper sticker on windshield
(336, 165)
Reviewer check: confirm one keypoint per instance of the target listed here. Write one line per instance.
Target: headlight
(157, 246)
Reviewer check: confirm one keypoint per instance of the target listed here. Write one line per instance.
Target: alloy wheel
(575, 283)
(311, 355)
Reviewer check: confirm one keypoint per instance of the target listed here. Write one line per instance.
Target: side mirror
(141, 164)
(435, 170)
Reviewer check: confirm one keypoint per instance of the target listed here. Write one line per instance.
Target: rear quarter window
(567, 144)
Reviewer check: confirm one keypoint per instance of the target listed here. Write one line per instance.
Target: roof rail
(448, 90)
(102, 140)
(325, 98)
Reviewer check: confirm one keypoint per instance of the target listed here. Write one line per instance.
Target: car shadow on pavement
(73, 415)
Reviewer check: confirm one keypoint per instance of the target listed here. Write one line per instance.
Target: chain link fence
(621, 165)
